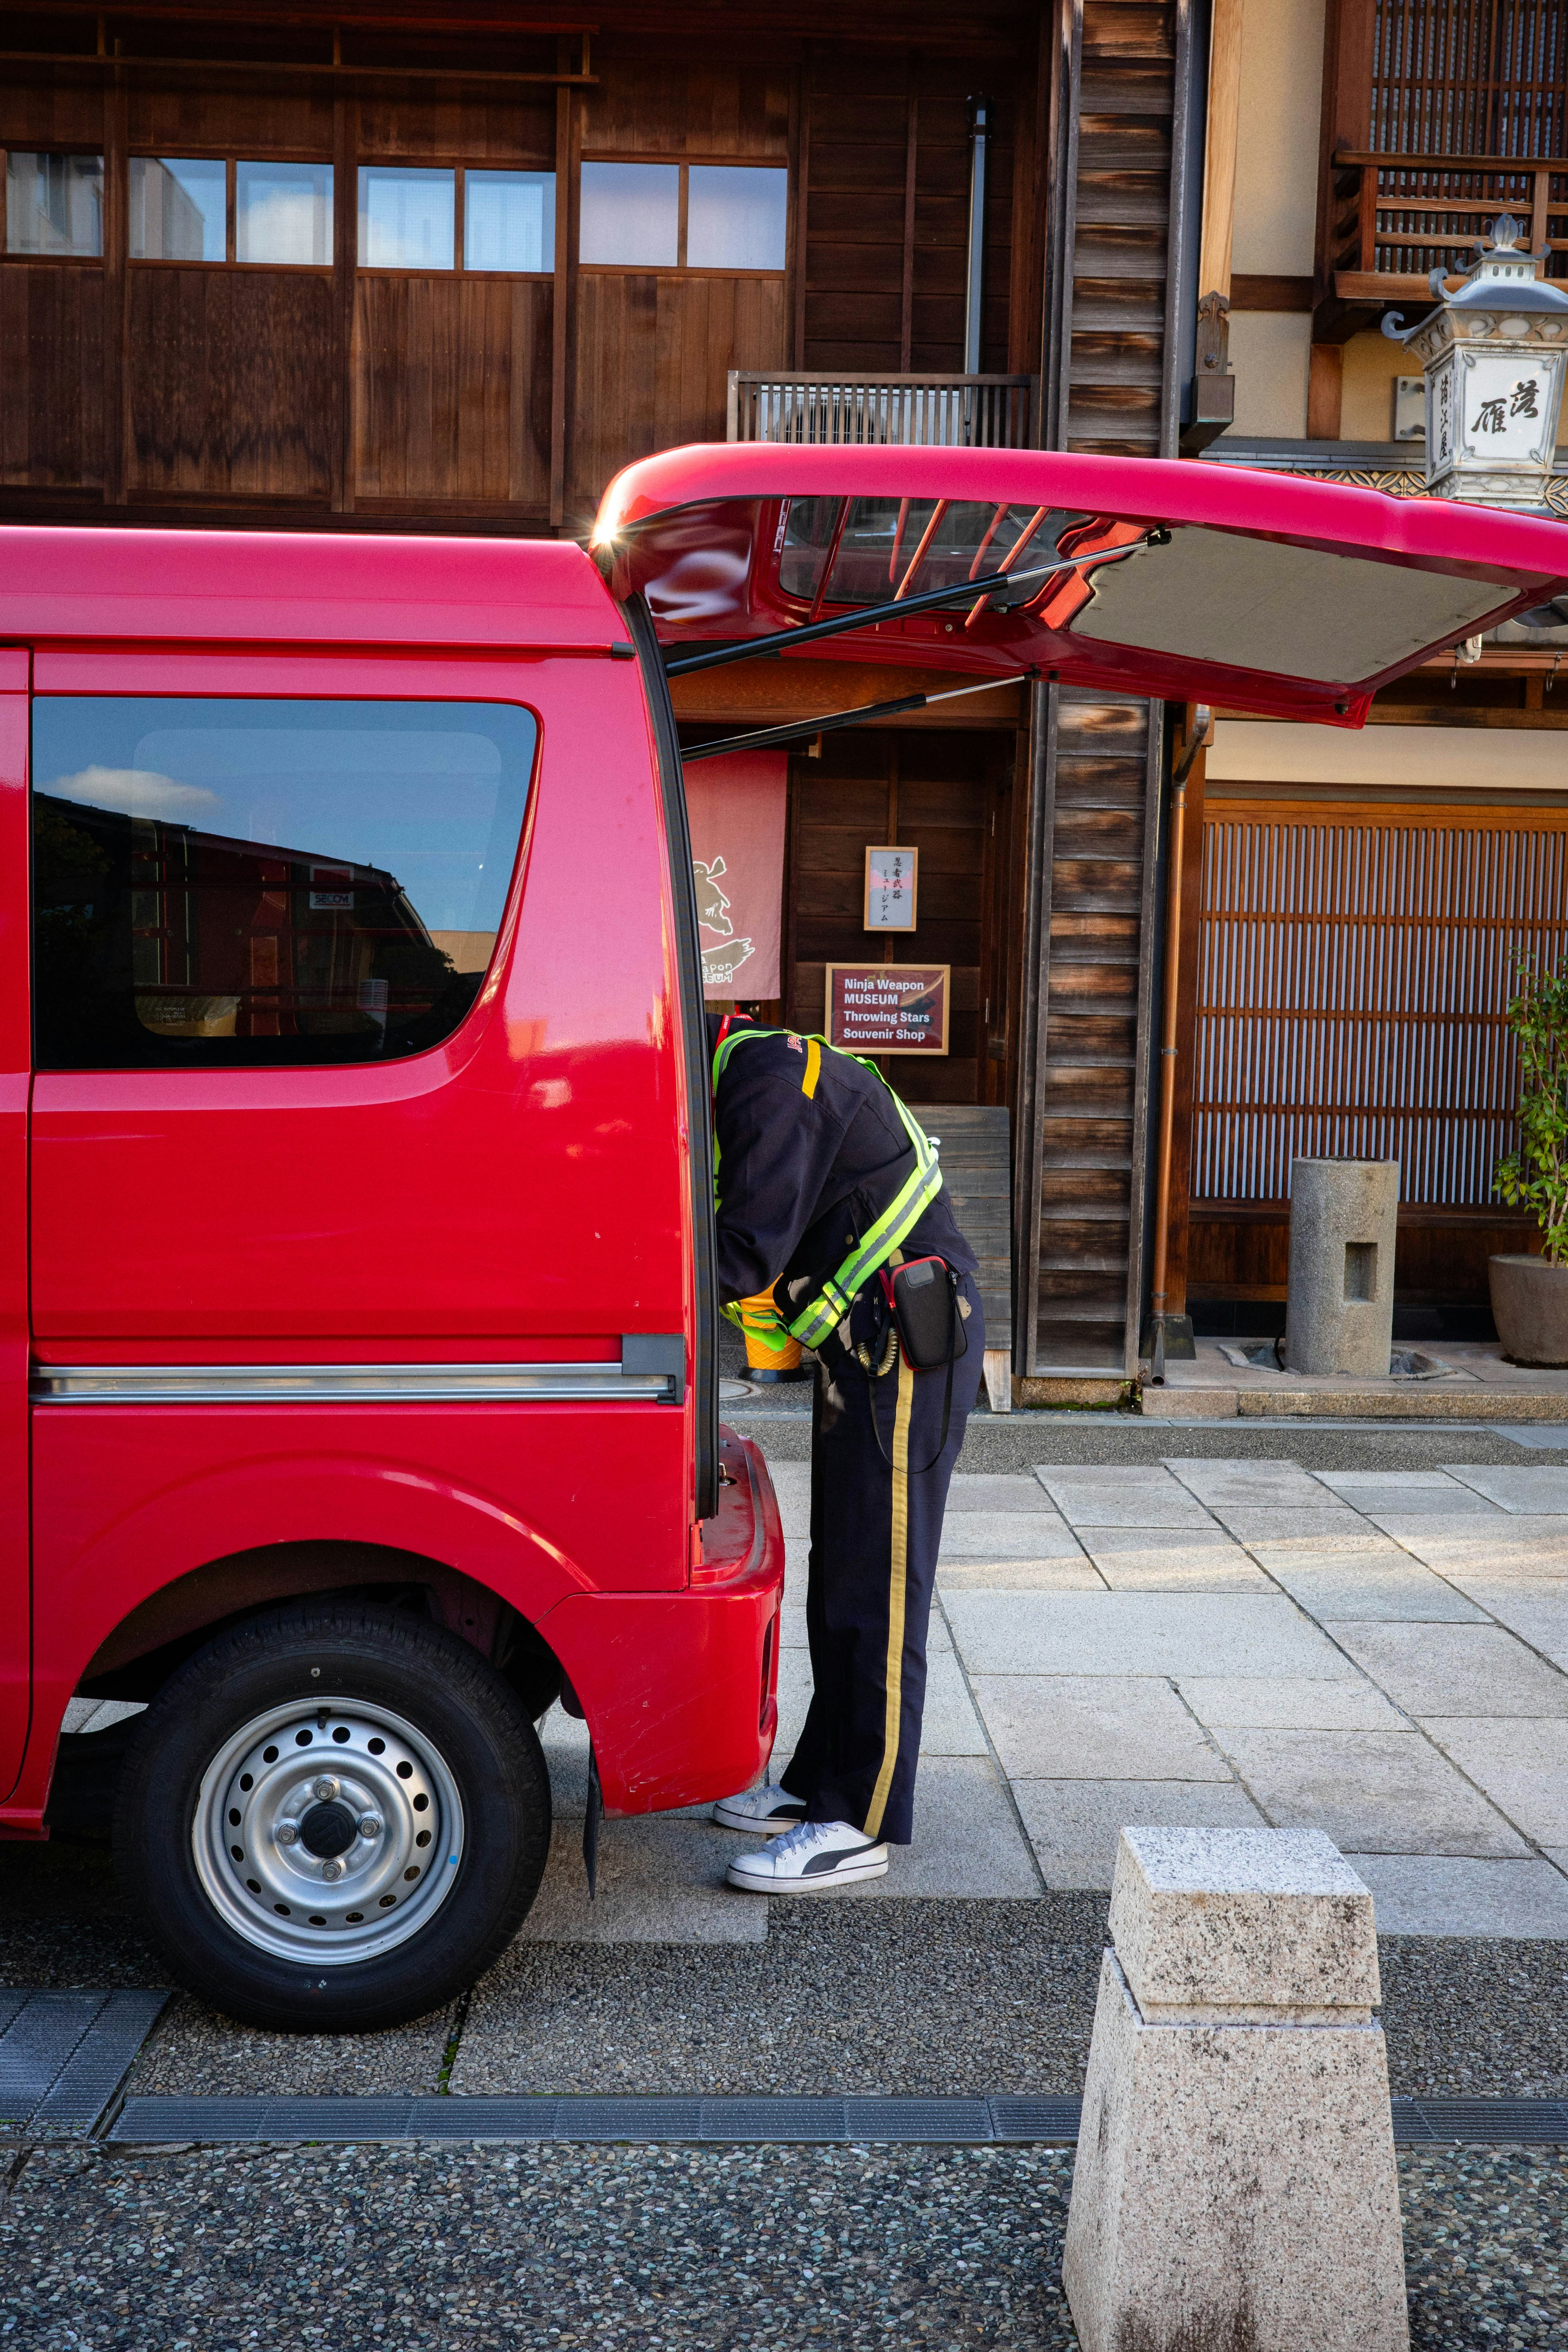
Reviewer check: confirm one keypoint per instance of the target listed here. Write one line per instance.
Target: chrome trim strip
(348, 1384)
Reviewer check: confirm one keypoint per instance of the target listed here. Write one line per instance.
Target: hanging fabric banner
(736, 809)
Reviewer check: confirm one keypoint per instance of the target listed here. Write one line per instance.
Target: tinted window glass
(736, 218)
(179, 209)
(631, 214)
(283, 214)
(54, 204)
(406, 217)
(244, 884)
(510, 220)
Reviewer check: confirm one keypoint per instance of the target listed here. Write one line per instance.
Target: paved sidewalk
(1380, 1655)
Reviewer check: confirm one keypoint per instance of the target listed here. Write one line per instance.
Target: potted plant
(1529, 1294)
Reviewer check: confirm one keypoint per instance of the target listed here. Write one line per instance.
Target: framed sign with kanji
(888, 1008)
(892, 877)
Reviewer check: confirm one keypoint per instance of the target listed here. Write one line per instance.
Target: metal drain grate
(998, 2120)
(63, 2055)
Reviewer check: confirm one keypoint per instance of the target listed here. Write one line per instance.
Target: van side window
(226, 884)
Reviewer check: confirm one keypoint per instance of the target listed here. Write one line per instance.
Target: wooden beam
(324, 70)
(559, 305)
(1325, 392)
(1219, 148)
(912, 146)
(345, 231)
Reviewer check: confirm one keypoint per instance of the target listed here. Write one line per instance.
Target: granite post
(1339, 1316)
(1235, 2189)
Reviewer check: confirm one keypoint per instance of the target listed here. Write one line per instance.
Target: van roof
(348, 588)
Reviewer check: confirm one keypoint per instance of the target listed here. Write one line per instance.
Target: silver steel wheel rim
(328, 1831)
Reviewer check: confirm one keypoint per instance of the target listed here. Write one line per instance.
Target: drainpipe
(1202, 726)
(980, 119)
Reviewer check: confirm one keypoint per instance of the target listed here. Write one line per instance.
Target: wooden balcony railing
(1396, 217)
(977, 412)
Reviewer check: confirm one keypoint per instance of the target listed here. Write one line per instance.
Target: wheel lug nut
(330, 1870)
(287, 1832)
(326, 1788)
(369, 1826)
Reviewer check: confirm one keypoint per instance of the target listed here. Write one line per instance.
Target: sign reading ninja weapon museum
(888, 1008)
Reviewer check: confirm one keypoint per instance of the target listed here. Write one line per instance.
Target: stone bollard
(1234, 2189)
(1338, 1316)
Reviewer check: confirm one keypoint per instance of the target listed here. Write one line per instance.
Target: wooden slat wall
(1082, 1262)
(1354, 970)
(1116, 249)
(887, 212)
(229, 380)
(452, 389)
(975, 1149)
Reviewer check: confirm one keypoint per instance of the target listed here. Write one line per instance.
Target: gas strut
(798, 730)
(869, 616)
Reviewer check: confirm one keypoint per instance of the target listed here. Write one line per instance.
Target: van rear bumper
(679, 1689)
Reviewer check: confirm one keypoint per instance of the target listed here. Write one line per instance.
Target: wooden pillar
(1325, 383)
(560, 290)
(1219, 149)
(1180, 1194)
(346, 237)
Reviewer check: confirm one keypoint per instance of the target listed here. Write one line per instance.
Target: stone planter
(1529, 1305)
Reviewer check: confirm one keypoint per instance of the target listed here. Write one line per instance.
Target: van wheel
(333, 1818)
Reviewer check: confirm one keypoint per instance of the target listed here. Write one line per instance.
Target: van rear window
(247, 884)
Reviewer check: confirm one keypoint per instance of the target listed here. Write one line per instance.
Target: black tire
(482, 1741)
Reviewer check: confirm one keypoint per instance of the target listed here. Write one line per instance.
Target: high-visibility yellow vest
(822, 1316)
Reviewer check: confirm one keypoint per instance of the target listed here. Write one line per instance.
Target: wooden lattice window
(1469, 78)
(1355, 967)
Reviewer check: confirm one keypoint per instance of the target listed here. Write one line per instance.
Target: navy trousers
(876, 1526)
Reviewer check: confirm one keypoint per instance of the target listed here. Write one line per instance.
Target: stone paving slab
(1522, 1765)
(1257, 1485)
(1075, 1826)
(1432, 1491)
(1094, 1728)
(1172, 1559)
(1291, 1703)
(1433, 1894)
(1371, 1791)
(1006, 1535)
(1334, 1587)
(1451, 1670)
(1535, 1608)
(1123, 1498)
(1536, 1489)
(1136, 1633)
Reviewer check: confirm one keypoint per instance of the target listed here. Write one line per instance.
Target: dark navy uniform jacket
(802, 1177)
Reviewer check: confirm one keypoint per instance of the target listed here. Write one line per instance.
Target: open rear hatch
(1192, 583)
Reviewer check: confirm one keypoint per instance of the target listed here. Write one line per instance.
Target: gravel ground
(647, 2250)
(1476, 2018)
(901, 1998)
(905, 1997)
(1015, 1441)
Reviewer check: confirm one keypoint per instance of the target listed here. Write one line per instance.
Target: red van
(357, 1367)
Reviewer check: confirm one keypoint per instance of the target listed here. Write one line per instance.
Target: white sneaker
(811, 1859)
(760, 1811)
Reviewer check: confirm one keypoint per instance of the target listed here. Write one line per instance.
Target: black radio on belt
(922, 1297)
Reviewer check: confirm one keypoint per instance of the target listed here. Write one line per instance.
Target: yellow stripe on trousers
(896, 1573)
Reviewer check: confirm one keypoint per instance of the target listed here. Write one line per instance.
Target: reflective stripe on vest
(823, 1315)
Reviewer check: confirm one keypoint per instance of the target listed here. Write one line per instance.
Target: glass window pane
(178, 209)
(54, 204)
(284, 213)
(735, 218)
(508, 220)
(631, 214)
(882, 537)
(238, 884)
(406, 219)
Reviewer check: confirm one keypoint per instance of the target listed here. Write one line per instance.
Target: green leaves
(1535, 1176)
